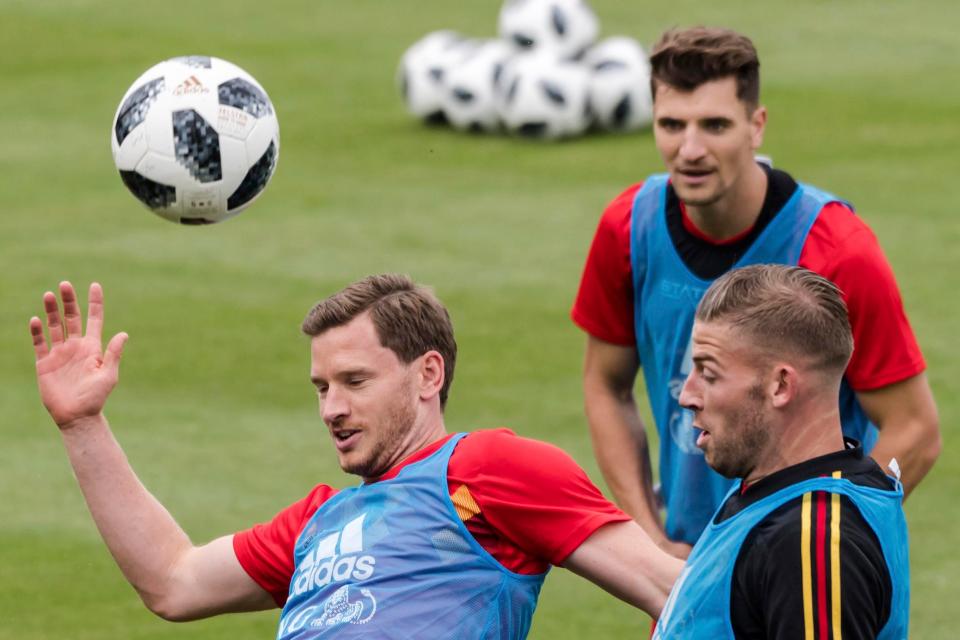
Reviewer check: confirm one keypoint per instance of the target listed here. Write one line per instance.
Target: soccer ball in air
(540, 96)
(195, 139)
(564, 27)
(423, 71)
(469, 97)
(619, 84)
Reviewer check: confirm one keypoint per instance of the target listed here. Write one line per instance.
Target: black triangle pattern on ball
(622, 112)
(255, 180)
(245, 96)
(532, 129)
(554, 92)
(136, 106)
(609, 65)
(196, 146)
(559, 20)
(151, 193)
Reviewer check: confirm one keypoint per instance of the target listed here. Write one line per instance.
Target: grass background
(215, 409)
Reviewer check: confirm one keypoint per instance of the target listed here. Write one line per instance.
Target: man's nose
(689, 394)
(692, 148)
(333, 405)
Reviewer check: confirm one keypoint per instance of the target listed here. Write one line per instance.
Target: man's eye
(716, 126)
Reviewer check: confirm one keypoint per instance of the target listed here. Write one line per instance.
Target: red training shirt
(840, 247)
(526, 502)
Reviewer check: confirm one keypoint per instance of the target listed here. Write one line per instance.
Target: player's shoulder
(618, 210)
(810, 516)
(315, 499)
(492, 450)
(838, 222)
(839, 239)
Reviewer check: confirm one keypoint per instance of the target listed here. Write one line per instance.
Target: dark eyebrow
(706, 358)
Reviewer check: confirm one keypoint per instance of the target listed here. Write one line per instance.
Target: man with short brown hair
(812, 542)
(661, 243)
(447, 536)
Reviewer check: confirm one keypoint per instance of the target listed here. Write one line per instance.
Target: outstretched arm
(175, 579)
(622, 559)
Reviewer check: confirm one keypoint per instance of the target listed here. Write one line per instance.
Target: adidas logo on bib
(335, 558)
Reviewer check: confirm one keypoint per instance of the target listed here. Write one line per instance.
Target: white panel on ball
(619, 84)
(540, 96)
(195, 115)
(564, 27)
(421, 75)
(469, 96)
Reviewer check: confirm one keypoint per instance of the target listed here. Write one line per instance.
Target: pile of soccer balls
(545, 77)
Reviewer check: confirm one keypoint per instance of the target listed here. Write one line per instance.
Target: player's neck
(816, 435)
(424, 433)
(735, 212)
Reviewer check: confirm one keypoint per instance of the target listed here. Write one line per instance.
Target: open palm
(74, 373)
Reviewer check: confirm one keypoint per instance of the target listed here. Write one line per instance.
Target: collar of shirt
(850, 462)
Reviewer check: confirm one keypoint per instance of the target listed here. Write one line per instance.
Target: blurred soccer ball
(469, 96)
(423, 70)
(540, 96)
(195, 139)
(619, 84)
(565, 27)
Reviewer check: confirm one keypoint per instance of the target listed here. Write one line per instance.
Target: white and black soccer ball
(195, 139)
(469, 98)
(542, 97)
(620, 84)
(564, 27)
(422, 72)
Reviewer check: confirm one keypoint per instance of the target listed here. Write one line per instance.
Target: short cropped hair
(688, 58)
(784, 310)
(408, 318)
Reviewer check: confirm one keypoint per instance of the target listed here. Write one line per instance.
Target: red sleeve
(604, 304)
(265, 551)
(843, 249)
(531, 492)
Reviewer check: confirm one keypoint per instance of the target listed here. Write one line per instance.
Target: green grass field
(215, 409)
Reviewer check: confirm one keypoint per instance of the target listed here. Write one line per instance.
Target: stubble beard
(391, 439)
(737, 455)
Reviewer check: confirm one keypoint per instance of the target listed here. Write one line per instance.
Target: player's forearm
(620, 446)
(915, 445)
(625, 562)
(141, 535)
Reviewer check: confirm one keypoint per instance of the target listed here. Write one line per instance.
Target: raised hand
(74, 373)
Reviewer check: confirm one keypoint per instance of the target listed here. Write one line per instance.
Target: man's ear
(758, 124)
(431, 374)
(783, 386)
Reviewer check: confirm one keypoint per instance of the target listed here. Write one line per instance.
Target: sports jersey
(525, 502)
(631, 269)
(393, 559)
(820, 553)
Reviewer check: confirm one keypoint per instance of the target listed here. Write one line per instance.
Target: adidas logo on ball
(190, 86)
(335, 558)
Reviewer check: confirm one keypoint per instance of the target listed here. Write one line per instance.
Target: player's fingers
(72, 320)
(95, 311)
(54, 323)
(111, 357)
(36, 334)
